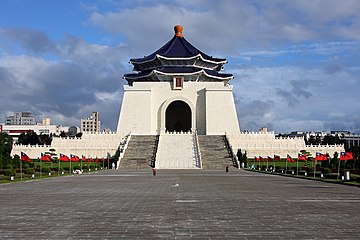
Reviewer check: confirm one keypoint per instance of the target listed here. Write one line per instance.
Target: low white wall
(266, 144)
(90, 145)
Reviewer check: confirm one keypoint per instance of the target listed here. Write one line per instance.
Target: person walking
(227, 169)
(154, 171)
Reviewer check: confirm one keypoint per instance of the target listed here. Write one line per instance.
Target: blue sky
(296, 63)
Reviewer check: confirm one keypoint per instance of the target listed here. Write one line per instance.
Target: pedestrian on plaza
(154, 171)
(227, 168)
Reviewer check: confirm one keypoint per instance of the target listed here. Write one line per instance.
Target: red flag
(97, 160)
(346, 156)
(289, 159)
(256, 159)
(103, 160)
(276, 157)
(83, 158)
(45, 157)
(321, 157)
(74, 158)
(63, 158)
(349, 155)
(269, 158)
(301, 157)
(89, 160)
(25, 157)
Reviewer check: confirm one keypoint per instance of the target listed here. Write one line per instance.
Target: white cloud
(294, 98)
(82, 75)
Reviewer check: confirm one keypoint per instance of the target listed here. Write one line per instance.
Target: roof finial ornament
(178, 30)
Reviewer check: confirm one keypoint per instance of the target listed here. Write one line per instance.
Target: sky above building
(296, 63)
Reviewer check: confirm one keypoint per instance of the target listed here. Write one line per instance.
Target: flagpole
(345, 169)
(81, 165)
(274, 165)
(338, 170)
(40, 167)
(315, 167)
(297, 166)
(286, 163)
(59, 167)
(20, 170)
(108, 160)
(267, 164)
(70, 166)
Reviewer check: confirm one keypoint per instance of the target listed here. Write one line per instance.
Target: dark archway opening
(178, 117)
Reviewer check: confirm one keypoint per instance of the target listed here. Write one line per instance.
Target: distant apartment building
(46, 121)
(91, 124)
(20, 118)
(24, 122)
(15, 130)
(350, 138)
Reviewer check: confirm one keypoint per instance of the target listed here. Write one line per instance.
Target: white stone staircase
(176, 151)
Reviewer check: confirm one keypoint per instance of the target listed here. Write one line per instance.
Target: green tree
(313, 140)
(331, 140)
(45, 139)
(6, 143)
(29, 138)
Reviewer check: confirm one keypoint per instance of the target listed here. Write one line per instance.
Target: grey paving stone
(182, 204)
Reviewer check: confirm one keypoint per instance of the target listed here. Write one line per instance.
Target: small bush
(309, 170)
(326, 170)
(56, 169)
(92, 167)
(8, 166)
(29, 171)
(67, 168)
(25, 165)
(77, 168)
(46, 170)
(9, 172)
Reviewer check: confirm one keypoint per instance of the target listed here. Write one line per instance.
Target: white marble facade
(143, 111)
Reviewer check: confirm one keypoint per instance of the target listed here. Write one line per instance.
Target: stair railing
(153, 158)
(231, 152)
(196, 149)
(122, 147)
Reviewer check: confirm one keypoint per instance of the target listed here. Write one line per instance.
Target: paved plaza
(178, 205)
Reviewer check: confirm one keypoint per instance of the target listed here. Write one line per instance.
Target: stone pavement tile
(178, 205)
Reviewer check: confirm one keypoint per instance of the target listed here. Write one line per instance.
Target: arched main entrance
(178, 117)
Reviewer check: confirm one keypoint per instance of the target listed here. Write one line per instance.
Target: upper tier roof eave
(158, 56)
(154, 72)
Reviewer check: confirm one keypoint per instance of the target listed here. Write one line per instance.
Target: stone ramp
(214, 153)
(139, 152)
(175, 151)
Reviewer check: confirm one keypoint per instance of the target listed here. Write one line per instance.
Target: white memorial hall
(178, 112)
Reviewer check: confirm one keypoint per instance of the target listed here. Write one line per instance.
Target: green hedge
(9, 172)
(29, 171)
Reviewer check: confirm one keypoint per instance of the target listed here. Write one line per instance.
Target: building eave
(200, 72)
(158, 56)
